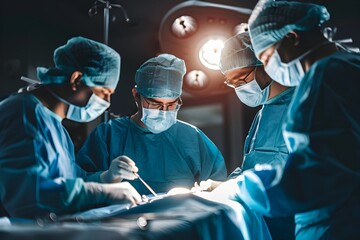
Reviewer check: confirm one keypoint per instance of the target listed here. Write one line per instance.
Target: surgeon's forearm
(94, 177)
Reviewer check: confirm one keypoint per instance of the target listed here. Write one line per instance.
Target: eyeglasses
(238, 82)
(161, 106)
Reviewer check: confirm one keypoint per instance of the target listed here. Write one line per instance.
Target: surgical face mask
(291, 73)
(287, 74)
(93, 109)
(251, 94)
(158, 121)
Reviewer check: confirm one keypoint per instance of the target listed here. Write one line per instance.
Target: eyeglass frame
(160, 106)
(235, 85)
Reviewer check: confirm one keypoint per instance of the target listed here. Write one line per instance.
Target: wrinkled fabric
(271, 20)
(238, 53)
(98, 63)
(251, 93)
(287, 74)
(251, 223)
(176, 157)
(37, 165)
(161, 77)
(93, 109)
(157, 120)
(184, 216)
(321, 180)
(265, 144)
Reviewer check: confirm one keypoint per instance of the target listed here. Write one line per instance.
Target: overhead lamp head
(195, 31)
(209, 53)
(184, 26)
(196, 79)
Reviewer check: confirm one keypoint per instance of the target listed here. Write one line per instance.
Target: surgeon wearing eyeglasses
(167, 152)
(320, 183)
(264, 142)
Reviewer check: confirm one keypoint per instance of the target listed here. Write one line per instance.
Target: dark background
(31, 29)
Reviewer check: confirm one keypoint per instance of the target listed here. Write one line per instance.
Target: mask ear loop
(329, 34)
(58, 97)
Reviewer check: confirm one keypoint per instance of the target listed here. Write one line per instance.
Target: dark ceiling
(32, 29)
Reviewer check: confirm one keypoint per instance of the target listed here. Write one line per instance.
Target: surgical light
(195, 31)
(240, 28)
(209, 53)
(184, 26)
(196, 79)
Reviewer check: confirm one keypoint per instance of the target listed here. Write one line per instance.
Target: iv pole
(92, 12)
(107, 6)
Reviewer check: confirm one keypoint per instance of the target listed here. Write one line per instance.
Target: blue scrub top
(321, 181)
(37, 165)
(265, 142)
(265, 145)
(176, 157)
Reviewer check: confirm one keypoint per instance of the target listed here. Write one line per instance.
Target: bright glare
(196, 79)
(178, 190)
(184, 26)
(209, 53)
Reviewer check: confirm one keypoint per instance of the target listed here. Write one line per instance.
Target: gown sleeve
(323, 136)
(94, 154)
(36, 168)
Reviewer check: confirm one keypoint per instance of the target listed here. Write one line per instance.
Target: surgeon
(168, 152)
(321, 180)
(38, 172)
(264, 143)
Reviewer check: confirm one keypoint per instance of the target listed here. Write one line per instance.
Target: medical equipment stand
(93, 11)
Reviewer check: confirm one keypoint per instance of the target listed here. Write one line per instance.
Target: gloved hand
(112, 193)
(120, 192)
(120, 168)
(227, 190)
(207, 185)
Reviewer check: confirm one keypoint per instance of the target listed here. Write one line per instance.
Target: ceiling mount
(195, 31)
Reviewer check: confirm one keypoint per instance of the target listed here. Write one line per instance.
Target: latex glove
(207, 185)
(120, 168)
(113, 193)
(227, 190)
(120, 192)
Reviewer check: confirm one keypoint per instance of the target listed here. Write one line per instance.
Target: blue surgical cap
(161, 77)
(271, 20)
(238, 53)
(99, 64)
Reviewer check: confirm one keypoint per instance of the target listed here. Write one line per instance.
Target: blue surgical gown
(37, 165)
(321, 180)
(265, 144)
(176, 157)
